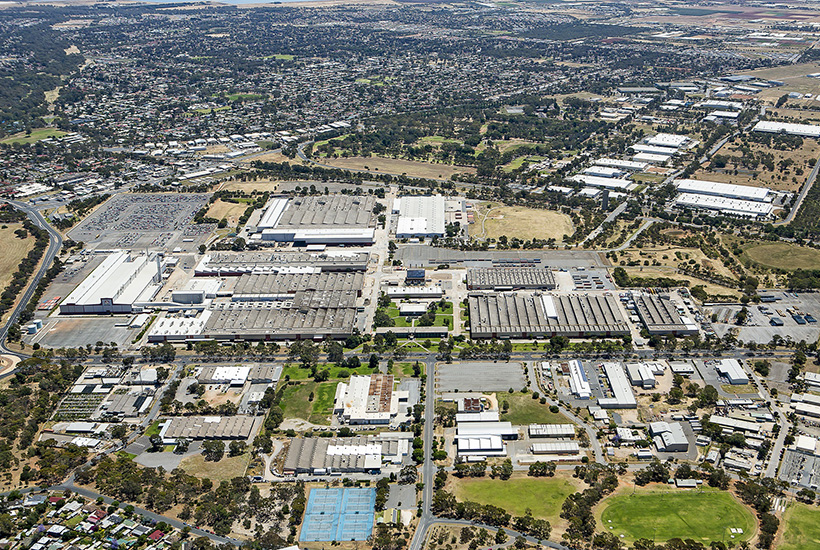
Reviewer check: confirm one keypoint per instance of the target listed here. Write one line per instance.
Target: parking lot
(758, 327)
(480, 376)
(145, 220)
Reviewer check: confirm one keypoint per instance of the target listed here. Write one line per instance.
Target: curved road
(55, 242)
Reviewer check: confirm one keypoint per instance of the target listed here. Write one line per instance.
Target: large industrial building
(122, 283)
(669, 437)
(732, 371)
(803, 130)
(309, 316)
(730, 207)
(660, 316)
(280, 286)
(517, 315)
(510, 278)
(551, 430)
(578, 381)
(367, 399)
(206, 427)
(327, 456)
(622, 396)
(733, 200)
(420, 216)
(726, 190)
(226, 264)
(323, 219)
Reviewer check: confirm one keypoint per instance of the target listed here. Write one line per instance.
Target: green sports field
(802, 528)
(544, 496)
(663, 515)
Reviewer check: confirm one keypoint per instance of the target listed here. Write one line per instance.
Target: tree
(501, 536)
(213, 450)
(236, 448)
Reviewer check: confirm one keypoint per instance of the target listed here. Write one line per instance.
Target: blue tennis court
(339, 514)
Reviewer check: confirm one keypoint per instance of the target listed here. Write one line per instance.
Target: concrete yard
(480, 376)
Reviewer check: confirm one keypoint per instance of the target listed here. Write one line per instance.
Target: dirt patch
(218, 397)
(224, 470)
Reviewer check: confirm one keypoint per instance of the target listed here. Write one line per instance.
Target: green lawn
(802, 527)
(281, 57)
(298, 373)
(544, 496)
(663, 515)
(245, 97)
(525, 410)
(153, 429)
(36, 135)
(296, 404)
(404, 369)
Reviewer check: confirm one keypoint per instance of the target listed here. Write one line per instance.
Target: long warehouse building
(118, 285)
(509, 315)
(660, 316)
(510, 278)
(726, 190)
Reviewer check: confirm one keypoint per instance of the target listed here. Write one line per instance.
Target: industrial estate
(400, 275)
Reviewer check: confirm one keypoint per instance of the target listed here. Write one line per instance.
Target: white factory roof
(429, 208)
(720, 104)
(734, 423)
(806, 443)
(119, 277)
(483, 416)
(273, 212)
(651, 158)
(579, 384)
(476, 429)
(728, 190)
(734, 207)
(555, 447)
(667, 140)
(551, 430)
(654, 149)
(603, 171)
(237, 373)
(806, 130)
(731, 369)
(621, 388)
(491, 444)
(410, 291)
(357, 403)
(624, 164)
(179, 327)
(596, 181)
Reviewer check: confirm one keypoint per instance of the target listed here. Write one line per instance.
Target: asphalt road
(55, 242)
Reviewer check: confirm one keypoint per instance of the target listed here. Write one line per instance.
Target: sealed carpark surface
(73, 332)
(480, 376)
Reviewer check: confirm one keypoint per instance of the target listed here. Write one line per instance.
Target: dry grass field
(12, 250)
(782, 180)
(224, 470)
(674, 256)
(232, 211)
(398, 166)
(784, 256)
(523, 223)
(710, 288)
(260, 185)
